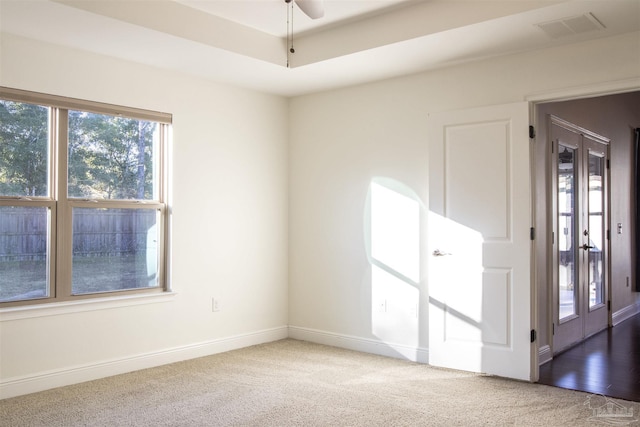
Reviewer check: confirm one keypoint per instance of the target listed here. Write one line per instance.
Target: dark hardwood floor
(607, 363)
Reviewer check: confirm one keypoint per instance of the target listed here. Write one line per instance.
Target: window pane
(114, 249)
(111, 157)
(23, 253)
(24, 146)
(567, 268)
(596, 230)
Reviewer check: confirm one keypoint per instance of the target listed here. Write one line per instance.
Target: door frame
(542, 270)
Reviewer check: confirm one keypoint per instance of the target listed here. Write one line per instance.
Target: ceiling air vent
(572, 25)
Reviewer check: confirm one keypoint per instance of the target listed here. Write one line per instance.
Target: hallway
(607, 363)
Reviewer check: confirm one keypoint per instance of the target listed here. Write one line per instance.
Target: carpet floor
(296, 383)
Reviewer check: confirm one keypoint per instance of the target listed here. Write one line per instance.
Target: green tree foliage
(23, 149)
(110, 157)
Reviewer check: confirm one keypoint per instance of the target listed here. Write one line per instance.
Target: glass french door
(580, 244)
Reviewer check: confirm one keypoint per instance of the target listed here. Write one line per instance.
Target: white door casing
(479, 246)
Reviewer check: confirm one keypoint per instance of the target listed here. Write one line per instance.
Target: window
(82, 199)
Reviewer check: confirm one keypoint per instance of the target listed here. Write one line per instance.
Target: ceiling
(270, 16)
(244, 42)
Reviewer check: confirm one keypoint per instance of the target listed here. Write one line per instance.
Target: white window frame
(59, 252)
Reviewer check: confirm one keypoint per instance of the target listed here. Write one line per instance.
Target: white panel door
(479, 242)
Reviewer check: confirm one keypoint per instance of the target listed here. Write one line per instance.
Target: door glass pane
(567, 274)
(24, 235)
(24, 149)
(114, 249)
(112, 157)
(596, 230)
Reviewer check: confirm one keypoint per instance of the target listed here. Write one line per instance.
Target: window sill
(54, 309)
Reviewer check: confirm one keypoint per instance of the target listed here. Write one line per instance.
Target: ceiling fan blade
(314, 9)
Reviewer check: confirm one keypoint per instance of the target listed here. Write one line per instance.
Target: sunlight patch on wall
(394, 213)
(395, 231)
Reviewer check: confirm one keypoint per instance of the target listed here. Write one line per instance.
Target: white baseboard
(11, 387)
(398, 351)
(544, 354)
(625, 313)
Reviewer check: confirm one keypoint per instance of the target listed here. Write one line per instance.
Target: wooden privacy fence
(96, 232)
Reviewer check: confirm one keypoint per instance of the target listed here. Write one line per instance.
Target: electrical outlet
(382, 306)
(414, 310)
(215, 305)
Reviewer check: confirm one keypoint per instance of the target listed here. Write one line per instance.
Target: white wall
(229, 217)
(342, 140)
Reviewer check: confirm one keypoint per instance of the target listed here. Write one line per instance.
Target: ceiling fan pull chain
(290, 48)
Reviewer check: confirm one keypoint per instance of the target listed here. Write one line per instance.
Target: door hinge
(533, 335)
(608, 164)
(608, 234)
(553, 329)
(608, 305)
(532, 132)
(532, 233)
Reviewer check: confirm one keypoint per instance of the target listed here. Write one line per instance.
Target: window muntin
(100, 219)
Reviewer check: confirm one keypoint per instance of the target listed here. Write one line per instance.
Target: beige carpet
(295, 383)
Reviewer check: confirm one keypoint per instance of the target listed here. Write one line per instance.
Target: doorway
(580, 251)
(615, 117)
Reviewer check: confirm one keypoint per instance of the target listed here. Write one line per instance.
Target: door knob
(586, 247)
(438, 252)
